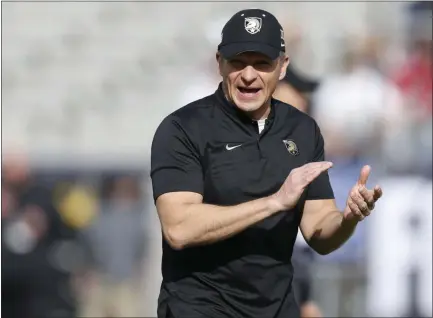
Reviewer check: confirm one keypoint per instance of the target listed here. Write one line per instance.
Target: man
(234, 175)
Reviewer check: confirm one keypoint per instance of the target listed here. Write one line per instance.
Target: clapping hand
(361, 201)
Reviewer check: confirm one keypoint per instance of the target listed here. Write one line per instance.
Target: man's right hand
(287, 197)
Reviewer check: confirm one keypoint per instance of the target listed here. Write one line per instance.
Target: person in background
(32, 285)
(115, 246)
(357, 106)
(302, 258)
(413, 77)
(296, 90)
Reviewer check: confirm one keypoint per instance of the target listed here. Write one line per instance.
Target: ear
(285, 62)
(220, 61)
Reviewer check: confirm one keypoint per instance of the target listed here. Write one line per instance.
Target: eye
(263, 66)
(263, 63)
(237, 64)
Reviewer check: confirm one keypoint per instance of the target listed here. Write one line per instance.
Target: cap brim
(231, 50)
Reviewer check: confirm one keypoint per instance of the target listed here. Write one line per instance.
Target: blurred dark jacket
(32, 286)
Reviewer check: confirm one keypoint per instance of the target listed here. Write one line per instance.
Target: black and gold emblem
(291, 147)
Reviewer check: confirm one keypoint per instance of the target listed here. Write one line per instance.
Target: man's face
(250, 78)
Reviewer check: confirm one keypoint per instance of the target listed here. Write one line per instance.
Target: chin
(249, 106)
(249, 103)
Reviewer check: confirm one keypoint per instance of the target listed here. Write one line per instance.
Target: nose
(249, 74)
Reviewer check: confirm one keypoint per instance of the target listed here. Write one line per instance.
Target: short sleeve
(320, 189)
(175, 161)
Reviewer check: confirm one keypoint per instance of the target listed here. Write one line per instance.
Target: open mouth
(248, 92)
(245, 90)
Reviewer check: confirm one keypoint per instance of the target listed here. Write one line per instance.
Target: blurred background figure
(413, 77)
(33, 285)
(115, 245)
(355, 104)
(86, 84)
(303, 279)
(296, 88)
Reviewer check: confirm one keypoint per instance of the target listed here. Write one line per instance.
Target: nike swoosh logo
(233, 147)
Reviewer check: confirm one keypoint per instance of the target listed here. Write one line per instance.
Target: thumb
(363, 176)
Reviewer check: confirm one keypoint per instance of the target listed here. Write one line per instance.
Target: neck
(261, 113)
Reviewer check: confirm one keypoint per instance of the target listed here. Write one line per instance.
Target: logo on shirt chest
(291, 147)
(232, 147)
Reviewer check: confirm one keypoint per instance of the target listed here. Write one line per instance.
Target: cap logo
(253, 25)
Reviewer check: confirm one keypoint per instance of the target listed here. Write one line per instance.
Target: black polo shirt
(210, 147)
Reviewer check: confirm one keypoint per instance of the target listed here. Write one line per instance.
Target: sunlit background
(84, 86)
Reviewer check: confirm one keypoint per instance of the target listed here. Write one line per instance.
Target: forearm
(331, 233)
(205, 223)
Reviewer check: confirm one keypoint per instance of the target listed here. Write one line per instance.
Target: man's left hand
(361, 201)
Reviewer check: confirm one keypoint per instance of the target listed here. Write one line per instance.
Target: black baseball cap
(252, 30)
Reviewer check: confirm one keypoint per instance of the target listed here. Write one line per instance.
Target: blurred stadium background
(84, 86)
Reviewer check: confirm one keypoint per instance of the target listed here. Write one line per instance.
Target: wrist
(273, 205)
(349, 222)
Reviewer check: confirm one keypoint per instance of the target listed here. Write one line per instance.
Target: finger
(354, 209)
(310, 175)
(316, 171)
(360, 202)
(313, 165)
(311, 170)
(377, 193)
(367, 195)
(363, 176)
